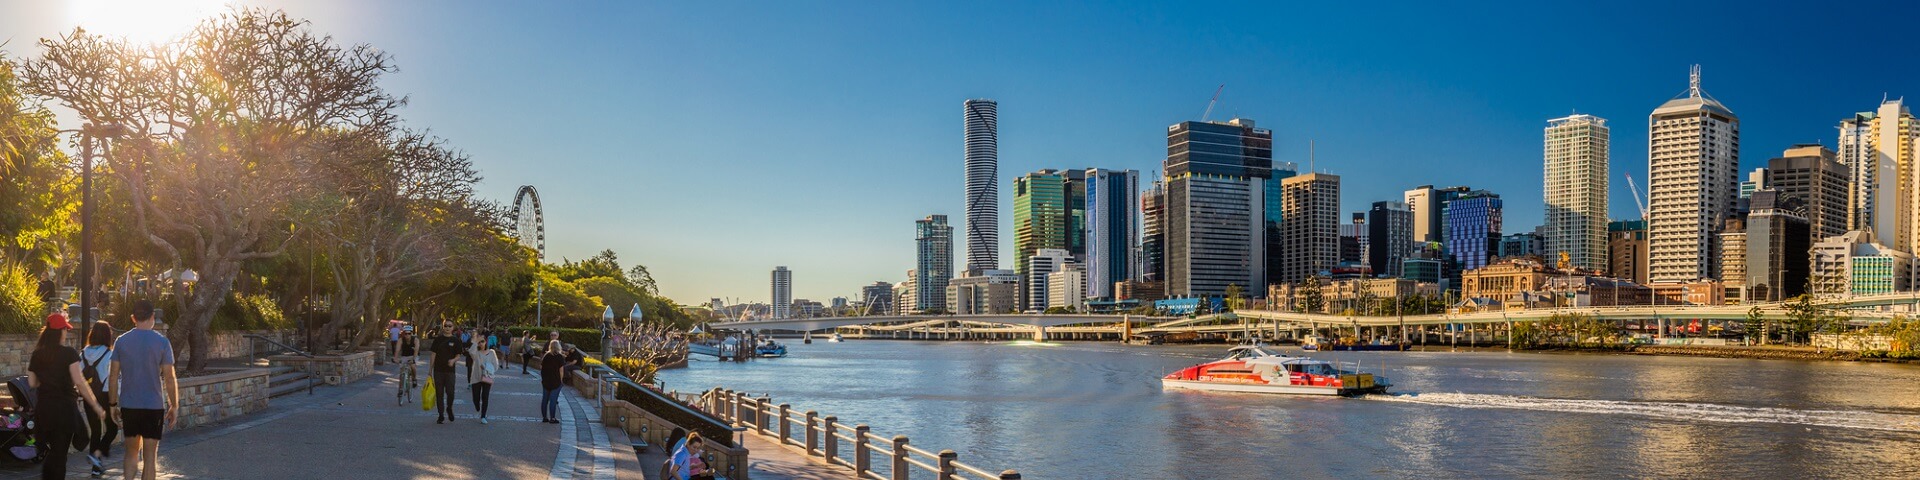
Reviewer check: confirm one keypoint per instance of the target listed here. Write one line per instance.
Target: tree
(1755, 325)
(1234, 292)
(223, 130)
(38, 195)
(1311, 299)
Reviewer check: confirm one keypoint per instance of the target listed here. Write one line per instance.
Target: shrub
(249, 312)
(20, 307)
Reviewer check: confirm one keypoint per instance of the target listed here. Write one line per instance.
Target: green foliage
(249, 312)
(1057, 311)
(1311, 299)
(37, 186)
(20, 307)
(588, 339)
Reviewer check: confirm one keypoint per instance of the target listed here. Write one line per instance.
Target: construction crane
(1216, 98)
(1636, 196)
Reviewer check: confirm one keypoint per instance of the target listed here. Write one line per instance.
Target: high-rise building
(1153, 226)
(877, 299)
(1389, 237)
(1045, 214)
(906, 296)
(1353, 239)
(1309, 238)
(982, 120)
(1756, 179)
(1473, 222)
(934, 240)
(1812, 174)
(1275, 215)
(1034, 286)
(1627, 250)
(1112, 232)
(1693, 161)
(1778, 241)
(1429, 206)
(782, 292)
(1879, 149)
(1527, 244)
(1732, 245)
(1577, 158)
(1216, 188)
(1853, 264)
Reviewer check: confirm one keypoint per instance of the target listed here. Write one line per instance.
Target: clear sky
(713, 141)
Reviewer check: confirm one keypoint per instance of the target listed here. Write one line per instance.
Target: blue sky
(712, 141)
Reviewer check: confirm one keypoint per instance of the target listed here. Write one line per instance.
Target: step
(287, 388)
(279, 370)
(284, 378)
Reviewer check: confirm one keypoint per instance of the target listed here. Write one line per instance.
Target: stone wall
(15, 349)
(348, 368)
(211, 398)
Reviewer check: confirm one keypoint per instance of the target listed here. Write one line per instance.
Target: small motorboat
(836, 338)
(1255, 369)
(770, 349)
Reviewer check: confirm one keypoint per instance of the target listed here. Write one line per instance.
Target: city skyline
(1456, 112)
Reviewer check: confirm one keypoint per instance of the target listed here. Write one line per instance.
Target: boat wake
(1682, 411)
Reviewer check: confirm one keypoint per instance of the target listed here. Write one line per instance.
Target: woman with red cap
(54, 374)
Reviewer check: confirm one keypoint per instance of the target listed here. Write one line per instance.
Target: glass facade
(934, 244)
(1215, 232)
(1873, 274)
(1472, 227)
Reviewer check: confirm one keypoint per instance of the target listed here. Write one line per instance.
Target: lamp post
(88, 135)
(606, 329)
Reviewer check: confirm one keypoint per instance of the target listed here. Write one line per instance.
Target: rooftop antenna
(1693, 82)
(1210, 102)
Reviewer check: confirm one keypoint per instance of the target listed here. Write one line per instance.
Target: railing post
(832, 448)
(813, 433)
(786, 431)
(760, 415)
(900, 465)
(1010, 475)
(862, 453)
(946, 464)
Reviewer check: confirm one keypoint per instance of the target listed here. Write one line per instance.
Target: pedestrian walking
(146, 392)
(466, 342)
(96, 363)
(526, 352)
(482, 387)
(446, 350)
(552, 368)
(54, 372)
(393, 339)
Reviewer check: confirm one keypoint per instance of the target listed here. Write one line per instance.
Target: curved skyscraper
(983, 190)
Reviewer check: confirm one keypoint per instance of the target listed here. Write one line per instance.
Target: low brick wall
(641, 425)
(15, 349)
(349, 367)
(211, 398)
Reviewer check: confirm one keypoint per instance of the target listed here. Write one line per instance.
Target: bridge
(1040, 325)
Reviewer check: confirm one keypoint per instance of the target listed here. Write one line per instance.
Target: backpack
(90, 371)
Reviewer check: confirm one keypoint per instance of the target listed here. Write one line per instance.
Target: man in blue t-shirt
(146, 401)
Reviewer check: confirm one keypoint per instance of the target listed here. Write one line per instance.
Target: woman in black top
(552, 368)
(54, 373)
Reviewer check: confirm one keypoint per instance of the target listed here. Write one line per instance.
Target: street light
(606, 328)
(88, 134)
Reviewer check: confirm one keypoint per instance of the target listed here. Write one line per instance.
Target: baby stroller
(16, 423)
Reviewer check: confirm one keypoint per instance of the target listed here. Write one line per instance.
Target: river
(1096, 410)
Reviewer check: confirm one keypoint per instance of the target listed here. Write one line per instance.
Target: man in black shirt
(446, 350)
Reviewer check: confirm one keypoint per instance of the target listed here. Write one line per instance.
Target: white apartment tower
(1693, 161)
(1879, 148)
(782, 292)
(1576, 190)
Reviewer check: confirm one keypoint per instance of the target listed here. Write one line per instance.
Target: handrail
(747, 413)
(263, 338)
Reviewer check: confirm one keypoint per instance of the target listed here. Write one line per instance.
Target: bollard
(862, 463)
(760, 415)
(813, 434)
(786, 431)
(900, 457)
(832, 448)
(946, 464)
(1010, 475)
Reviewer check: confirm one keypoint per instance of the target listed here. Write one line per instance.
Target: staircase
(286, 380)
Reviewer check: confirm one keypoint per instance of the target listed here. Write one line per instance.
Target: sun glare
(141, 21)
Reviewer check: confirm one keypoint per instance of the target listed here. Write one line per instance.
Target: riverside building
(1111, 229)
(1576, 190)
(1693, 160)
(934, 242)
(1216, 174)
(982, 123)
(782, 292)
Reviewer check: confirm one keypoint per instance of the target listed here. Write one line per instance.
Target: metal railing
(822, 437)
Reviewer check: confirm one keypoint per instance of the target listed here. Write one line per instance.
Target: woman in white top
(485, 364)
(96, 361)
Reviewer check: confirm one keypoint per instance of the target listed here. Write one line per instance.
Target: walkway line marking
(563, 458)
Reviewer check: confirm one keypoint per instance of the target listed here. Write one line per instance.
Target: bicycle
(408, 379)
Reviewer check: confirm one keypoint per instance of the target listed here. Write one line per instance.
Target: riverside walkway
(356, 431)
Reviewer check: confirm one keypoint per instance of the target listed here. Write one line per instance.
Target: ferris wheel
(530, 225)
